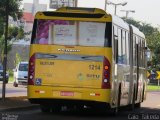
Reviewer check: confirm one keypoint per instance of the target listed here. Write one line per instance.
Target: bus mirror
(148, 53)
(115, 37)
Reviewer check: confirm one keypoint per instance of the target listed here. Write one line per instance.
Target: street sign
(158, 75)
(55, 4)
(148, 74)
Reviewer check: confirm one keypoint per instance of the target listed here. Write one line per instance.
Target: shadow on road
(137, 114)
(87, 114)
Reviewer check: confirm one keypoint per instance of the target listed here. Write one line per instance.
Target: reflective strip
(94, 94)
(39, 91)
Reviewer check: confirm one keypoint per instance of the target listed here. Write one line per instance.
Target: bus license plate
(66, 93)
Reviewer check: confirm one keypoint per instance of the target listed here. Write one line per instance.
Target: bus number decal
(93, 76)
(46, 63)
(94, 67)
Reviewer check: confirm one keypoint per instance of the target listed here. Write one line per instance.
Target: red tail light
(31, 70)
(106, 74)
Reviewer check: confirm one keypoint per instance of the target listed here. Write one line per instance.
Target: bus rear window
(61, 32)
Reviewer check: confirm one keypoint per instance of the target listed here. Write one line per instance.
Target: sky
(146, 11)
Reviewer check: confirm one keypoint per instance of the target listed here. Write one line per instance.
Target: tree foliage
(13, 32)
(152, 35)
(14, 9)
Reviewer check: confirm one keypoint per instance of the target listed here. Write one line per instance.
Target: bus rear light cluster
(106, 74)
(31, 70)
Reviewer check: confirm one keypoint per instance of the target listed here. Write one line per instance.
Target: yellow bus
(85, 57)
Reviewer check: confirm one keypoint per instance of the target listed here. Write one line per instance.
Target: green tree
(18, 59)
(20, 34)
(152, 35)
(13, 11)
(12, 32)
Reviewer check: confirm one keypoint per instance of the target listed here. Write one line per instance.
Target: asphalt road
(150, 110)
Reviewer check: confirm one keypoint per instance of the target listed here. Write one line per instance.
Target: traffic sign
(158, 75)
(148, 74)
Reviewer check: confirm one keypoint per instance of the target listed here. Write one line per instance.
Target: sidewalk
(16, 98)
(11, 103)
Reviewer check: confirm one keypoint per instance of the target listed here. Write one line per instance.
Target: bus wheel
(143, 92)
(56, 108)
(133, 100)
(45, 108)
(137, 105)
(116, 109)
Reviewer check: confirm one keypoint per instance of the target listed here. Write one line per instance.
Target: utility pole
(127, 12)
(76, 3)
(5, 52)
(115, 5)
(105, 7)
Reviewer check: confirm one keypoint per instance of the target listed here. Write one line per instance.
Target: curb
(15, 98)
(19, 108)
(6, 107)
(153, 91)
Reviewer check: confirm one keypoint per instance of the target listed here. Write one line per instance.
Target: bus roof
(76, 13)
(120, 22)
(86, 14)
(137, 32)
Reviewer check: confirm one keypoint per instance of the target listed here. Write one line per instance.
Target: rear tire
(133, 100)
(45, 108)
(137, 105)
(115, 110)
(56, 108)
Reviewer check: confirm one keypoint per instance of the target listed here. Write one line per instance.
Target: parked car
(1, 74)
(21, 74)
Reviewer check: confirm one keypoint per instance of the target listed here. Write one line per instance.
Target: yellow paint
(70, 75)
(93, 51)
(69, 72)
(105, 18)
(148, 74)
(158, 75)
(79, 93)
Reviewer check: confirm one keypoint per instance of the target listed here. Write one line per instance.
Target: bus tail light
(106, 74)
(31, 70)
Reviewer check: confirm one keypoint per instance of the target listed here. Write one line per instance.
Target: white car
(21, 74)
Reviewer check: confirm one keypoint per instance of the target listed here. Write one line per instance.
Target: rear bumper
(37, 94)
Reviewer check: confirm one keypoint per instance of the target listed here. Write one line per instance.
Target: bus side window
(134, 50)
(115, 43)
(120, 46)
(144, 50)
(127, 48)
(139, 53)
(123, 47)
